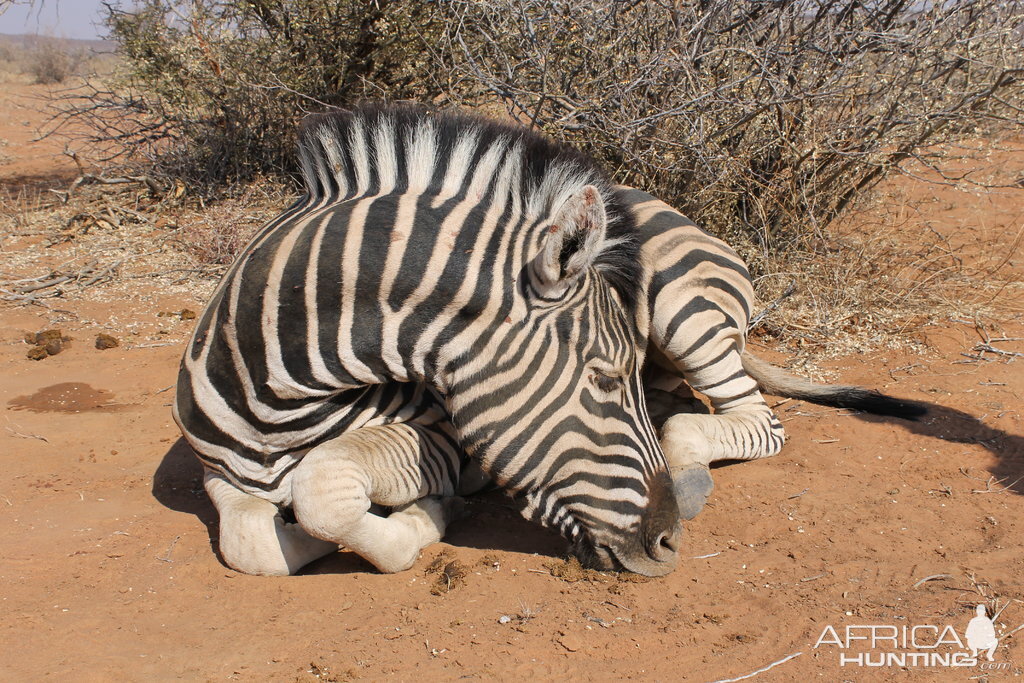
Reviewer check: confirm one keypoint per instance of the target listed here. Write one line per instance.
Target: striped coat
(431, 255)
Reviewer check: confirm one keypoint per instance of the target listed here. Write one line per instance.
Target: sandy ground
(109, 571)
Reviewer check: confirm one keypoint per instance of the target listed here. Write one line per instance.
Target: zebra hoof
(692, 486)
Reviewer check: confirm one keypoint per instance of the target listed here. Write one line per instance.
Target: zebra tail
(777, 381)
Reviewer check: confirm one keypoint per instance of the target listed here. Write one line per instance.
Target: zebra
(447, 286)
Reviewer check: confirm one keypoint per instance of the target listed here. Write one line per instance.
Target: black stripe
(690, 261)
(367, 331)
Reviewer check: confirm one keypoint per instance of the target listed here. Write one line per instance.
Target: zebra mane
(399, 148)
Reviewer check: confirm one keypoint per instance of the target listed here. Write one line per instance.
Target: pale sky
(59, 18)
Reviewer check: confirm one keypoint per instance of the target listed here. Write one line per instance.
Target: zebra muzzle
(653, 548)
(665, 548)
(655, 558)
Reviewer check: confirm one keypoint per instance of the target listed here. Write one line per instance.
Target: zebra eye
(606, 383)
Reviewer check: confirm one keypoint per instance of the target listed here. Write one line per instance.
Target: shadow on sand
(492, 520)
(178, 486)
(950, 424)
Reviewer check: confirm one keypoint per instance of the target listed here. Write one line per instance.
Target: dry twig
(761, 670)
(933, 577)
(89, 274)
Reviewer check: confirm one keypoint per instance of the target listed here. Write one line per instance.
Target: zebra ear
(572, 242)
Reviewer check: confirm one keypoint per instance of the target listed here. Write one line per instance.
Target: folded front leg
(393, 465)
(742, 427)
(253, 538)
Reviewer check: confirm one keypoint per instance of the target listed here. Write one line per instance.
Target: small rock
(37, 353)
(183, 314)
(504, 619)
(570, 642)
(105, 341)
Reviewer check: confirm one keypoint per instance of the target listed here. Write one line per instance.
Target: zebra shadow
(178, 486)
(491, 523)
(950, 424)
(492, 520)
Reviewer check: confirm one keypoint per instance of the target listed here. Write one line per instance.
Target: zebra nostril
(665, 546)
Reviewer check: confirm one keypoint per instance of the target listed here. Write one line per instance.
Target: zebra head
(551, 402)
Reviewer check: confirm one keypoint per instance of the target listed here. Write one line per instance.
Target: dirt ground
(108, 564)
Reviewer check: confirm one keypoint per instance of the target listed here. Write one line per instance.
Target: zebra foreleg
(253, 537)
(689, 455)
(666, 396)
(691, 442)
(692, 439)
(742, 427)
(337, 482)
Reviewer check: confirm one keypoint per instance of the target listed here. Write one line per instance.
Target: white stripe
(279, 380)
(421, 156)
(449, 232)
(316, 359)
(459, 162)
(359, 154)
(393, 317)
(384, 154)
(350, 267)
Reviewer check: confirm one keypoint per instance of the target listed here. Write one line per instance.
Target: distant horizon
(69, 19)
(45, 36)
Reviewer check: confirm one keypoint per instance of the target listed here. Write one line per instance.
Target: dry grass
(912, 255)
(53, 62)
(706, 104)
(214, 101)
(763, 122)
(214, 233)
(145, 243)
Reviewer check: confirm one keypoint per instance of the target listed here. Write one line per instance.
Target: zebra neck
(383, 288)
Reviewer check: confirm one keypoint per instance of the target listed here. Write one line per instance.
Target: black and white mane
(398, 149)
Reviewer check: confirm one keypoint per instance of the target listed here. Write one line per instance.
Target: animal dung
(106, 341)
(45, 344)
